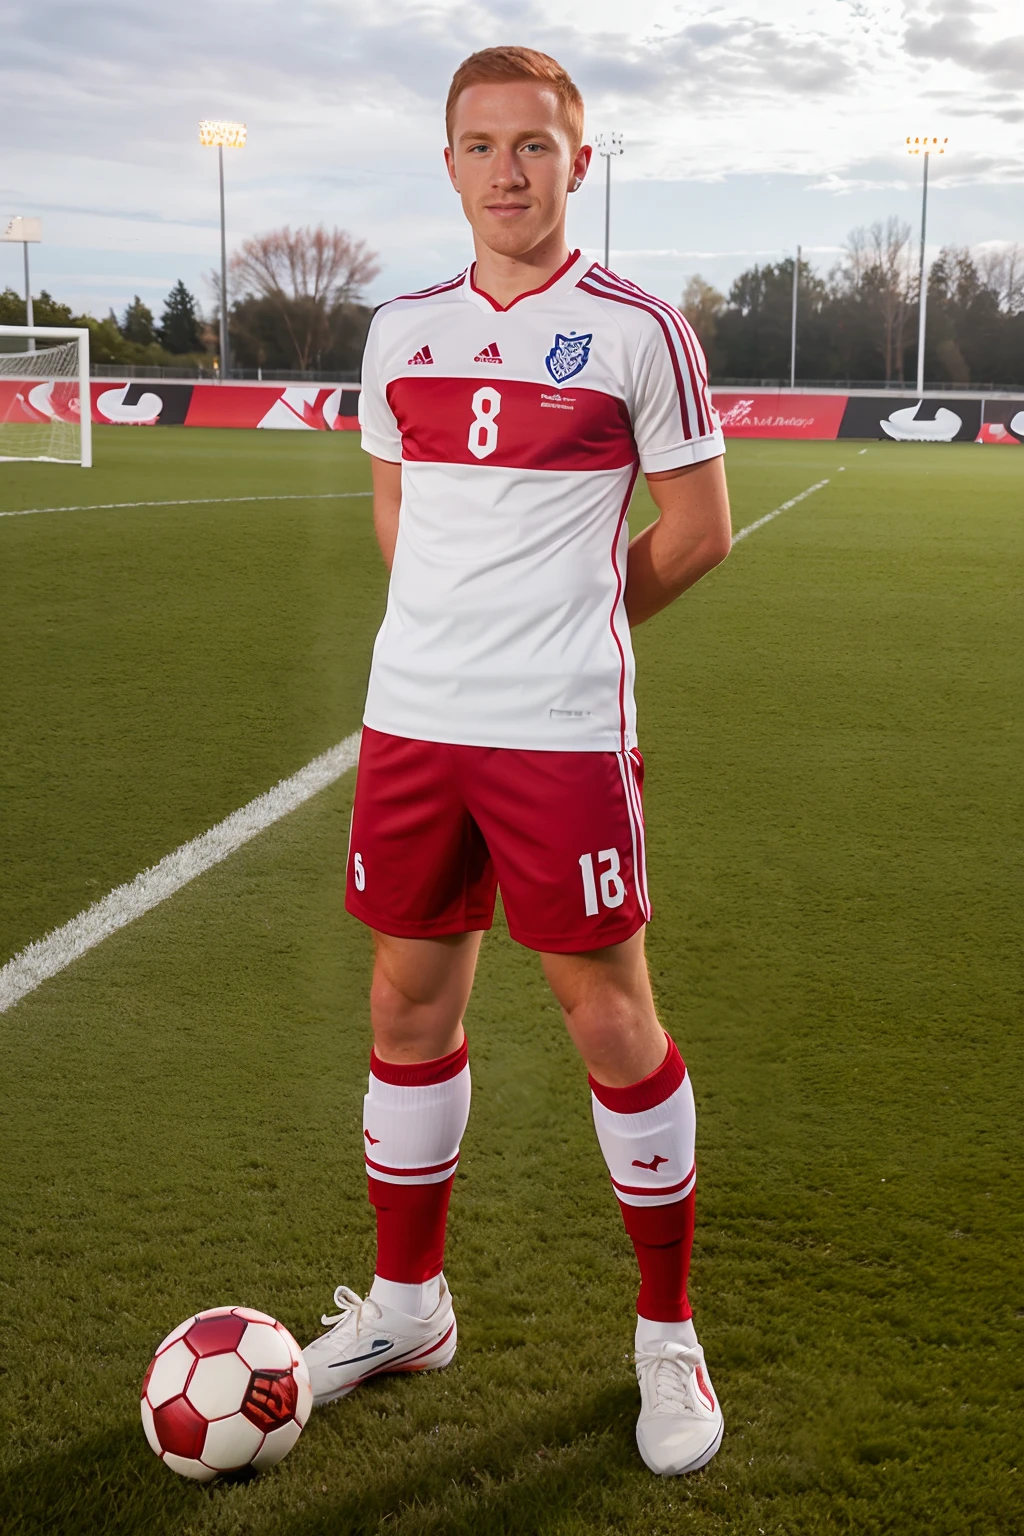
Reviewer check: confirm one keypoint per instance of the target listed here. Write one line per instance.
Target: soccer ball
(227, 1389)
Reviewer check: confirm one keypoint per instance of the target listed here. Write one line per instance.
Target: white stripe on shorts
(636, 828)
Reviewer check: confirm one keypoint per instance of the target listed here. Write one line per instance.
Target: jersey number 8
(483, 430)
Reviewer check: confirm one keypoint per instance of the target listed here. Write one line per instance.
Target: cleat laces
(352, 1306)
(670, 1367)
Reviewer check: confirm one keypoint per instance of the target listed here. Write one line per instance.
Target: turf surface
(832, 799)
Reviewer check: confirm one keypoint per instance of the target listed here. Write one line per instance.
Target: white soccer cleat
(369, 1339)
(680, 1425)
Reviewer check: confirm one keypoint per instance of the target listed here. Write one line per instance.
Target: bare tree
(305, 274)
(879, 264)
(1001, 269)
(703, 306)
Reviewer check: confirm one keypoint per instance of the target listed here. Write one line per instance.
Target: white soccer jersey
(520, 433)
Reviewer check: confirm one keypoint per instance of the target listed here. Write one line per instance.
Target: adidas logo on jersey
(489, 354)
(422, 356)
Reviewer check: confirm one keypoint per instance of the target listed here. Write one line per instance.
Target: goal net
(40, 395)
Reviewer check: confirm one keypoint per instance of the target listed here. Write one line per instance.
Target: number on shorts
(613, 889)
(483, 431)
(358, 872)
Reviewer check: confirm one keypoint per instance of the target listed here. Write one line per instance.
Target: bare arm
(690, 537)
(387, 502)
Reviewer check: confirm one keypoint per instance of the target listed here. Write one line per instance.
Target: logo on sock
(373, 1140)
(653, 1164)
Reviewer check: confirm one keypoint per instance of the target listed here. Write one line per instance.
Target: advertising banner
(754, 415)
(912, 420)
(1003, 423)
(279, 407)
(35, 401)
(333, 408)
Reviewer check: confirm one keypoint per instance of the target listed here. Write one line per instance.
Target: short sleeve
(380, 434)
(674, 422)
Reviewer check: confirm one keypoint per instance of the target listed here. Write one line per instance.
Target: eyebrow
(528, 133)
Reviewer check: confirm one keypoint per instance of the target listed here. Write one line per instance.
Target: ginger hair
(495, 66)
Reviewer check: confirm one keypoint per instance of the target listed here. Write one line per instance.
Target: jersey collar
(567, 276)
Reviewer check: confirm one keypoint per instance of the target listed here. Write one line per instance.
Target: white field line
(123, 905)
(784, 508)
(200, 501)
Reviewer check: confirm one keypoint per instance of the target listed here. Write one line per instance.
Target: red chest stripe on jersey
(510, 424)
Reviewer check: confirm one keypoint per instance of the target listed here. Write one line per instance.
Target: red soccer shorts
(437, 828)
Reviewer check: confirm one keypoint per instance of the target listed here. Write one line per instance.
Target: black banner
(141, 403)
(909, 419)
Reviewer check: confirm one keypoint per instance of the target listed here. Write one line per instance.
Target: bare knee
(418, 995)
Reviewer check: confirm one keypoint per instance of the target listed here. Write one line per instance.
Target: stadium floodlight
(47, 416)
(28, 232)
(608, 144)
(220, 135)
(925, 147)
(792, 328)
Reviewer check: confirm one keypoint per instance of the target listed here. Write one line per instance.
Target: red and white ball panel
(264, 1347)
(187, 1468)
(150, 1428)
(277, 1444)
(231, 1443)
(170, 1373)
(227, 1389)
(218, 1385)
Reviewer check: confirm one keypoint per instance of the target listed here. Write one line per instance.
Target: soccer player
(507, 413)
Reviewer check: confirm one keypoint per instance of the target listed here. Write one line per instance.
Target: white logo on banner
(905, 427)
(144, 413)
(292, 411)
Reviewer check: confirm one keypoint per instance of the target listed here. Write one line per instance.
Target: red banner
(332, 408)
(287, 407)
(756, 415)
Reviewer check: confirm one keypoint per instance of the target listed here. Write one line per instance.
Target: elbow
(717, 547)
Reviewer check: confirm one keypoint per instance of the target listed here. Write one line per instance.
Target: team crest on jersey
(568, 356)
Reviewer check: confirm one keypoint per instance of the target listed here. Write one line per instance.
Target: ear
(449, 160)
(580, 166)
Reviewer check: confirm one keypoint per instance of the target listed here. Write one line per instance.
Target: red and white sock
(647, 1133)
(413, 1120)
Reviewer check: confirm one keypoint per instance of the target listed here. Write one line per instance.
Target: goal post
(45, 401)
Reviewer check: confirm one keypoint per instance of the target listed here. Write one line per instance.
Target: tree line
(135, 337)
(295, 303)
(859, 322)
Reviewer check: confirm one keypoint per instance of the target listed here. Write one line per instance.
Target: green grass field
(831, 724)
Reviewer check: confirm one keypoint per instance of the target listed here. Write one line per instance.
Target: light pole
(29, 232)
(608, 144)
(214, 133)
(925, 147)
(792, 329)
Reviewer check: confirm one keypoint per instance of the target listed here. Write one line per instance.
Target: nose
(507, 171)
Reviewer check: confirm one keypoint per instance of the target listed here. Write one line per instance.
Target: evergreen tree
(179, 323)
(137, 324)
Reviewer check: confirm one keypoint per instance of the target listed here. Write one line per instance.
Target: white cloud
(344, 105)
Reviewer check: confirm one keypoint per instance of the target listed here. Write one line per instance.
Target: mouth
(506, 210)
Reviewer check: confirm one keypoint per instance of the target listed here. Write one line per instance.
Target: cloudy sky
(749, 125)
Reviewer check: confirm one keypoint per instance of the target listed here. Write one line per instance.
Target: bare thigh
(608, 1007)
(419, 994)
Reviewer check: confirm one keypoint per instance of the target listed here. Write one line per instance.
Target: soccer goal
(42, 391)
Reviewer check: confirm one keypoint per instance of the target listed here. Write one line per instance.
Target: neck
(505, 278)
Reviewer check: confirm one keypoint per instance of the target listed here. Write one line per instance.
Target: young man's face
(512, 163)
